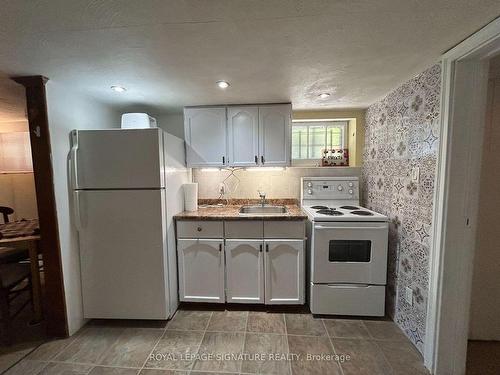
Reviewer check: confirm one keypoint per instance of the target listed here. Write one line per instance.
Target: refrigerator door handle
(76, 204)
(73, 160)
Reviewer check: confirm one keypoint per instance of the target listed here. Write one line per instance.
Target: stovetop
(342, 213)
(334, 199)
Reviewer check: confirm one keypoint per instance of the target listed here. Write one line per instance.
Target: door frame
(54, 303)
(463, 98)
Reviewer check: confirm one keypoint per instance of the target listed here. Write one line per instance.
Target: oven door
(345, 252)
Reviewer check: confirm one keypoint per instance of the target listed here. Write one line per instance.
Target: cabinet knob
(256, 159)
(262, 159)
(199, 229)
(267, 247)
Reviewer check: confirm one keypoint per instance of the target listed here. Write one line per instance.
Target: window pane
(316, 141)
(299, 142)
(334, 137)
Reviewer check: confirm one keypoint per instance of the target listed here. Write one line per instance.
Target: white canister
(190, 196)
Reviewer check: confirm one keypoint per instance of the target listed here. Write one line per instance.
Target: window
(310, 138)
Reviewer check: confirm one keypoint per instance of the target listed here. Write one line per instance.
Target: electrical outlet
(415, 174)
(409, 296)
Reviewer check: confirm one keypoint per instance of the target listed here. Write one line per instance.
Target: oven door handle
(348, 286)
(364, 228)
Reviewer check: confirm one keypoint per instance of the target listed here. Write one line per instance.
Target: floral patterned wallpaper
(402, 133)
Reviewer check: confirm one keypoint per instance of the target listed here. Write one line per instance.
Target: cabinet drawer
(355, 299)
(284, 229)
(200, 229)
(244, 229)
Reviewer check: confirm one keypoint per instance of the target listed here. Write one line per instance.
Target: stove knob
(340, 187)
(351, 184)
(350, 191)
(309, 184)
(309, 192)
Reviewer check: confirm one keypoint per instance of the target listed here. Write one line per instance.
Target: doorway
(31, 289)
(457, 200)
(483, 349)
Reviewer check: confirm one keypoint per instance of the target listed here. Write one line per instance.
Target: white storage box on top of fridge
(126, 186)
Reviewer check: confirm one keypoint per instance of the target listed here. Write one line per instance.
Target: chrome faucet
(262, 196)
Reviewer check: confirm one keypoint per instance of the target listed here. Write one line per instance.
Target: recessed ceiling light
(118, 88)
(223, 84)
(324, 95)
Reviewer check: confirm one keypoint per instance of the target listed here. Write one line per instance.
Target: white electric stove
(347, 247)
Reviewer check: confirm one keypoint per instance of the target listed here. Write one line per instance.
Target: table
(25, 233)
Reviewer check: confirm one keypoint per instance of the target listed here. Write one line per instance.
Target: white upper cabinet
(274, 134)
(243, 136)
(205, 132)
(238, 136)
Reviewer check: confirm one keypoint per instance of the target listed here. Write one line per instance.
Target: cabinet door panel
(201, 270)
(205, 131)
(284, 269)
(243, 135)
(244, 271)
(274, 134)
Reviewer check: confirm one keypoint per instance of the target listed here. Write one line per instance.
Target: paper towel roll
(190, 196)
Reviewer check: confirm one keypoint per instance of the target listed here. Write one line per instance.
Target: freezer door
(123, 253)
(116, 159)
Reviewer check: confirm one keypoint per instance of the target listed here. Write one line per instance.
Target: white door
(274, 134)
(116, 159)
(245, 271)
(201, 270)
(122, 253)
(205, 131)
(350, 252)
(243, 136)
(284, 268)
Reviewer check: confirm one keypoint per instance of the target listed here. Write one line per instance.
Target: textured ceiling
(170, 53)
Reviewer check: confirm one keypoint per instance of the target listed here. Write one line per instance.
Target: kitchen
(224, 185)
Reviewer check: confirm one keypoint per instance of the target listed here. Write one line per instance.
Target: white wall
(485, 297)
(276, 184)
(69, 110)
(172, 123)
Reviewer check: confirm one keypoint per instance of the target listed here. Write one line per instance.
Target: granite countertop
(229, 210)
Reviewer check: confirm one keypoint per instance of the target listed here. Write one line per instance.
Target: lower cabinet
(201, 270)
(234, 270)
(284, 270)
(274, 276)
(244, 271)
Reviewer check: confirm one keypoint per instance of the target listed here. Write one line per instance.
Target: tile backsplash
(401, 135)
(241, 184)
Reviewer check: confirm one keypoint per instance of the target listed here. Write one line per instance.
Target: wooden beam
(54, 308)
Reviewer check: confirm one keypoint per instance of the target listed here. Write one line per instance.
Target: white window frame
(344, 124)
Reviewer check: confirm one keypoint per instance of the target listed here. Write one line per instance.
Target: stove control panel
(330, 188)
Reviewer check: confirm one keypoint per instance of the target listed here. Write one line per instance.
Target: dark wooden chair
(15, 280)
(13, 255)
(6, 211)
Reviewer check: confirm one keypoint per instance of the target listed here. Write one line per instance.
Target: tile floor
(229, 342)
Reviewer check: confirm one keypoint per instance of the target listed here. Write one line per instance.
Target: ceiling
(169, 54)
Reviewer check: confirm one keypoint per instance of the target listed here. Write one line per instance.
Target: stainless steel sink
(260, 210)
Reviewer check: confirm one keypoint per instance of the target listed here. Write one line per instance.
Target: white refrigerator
(126, 186)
